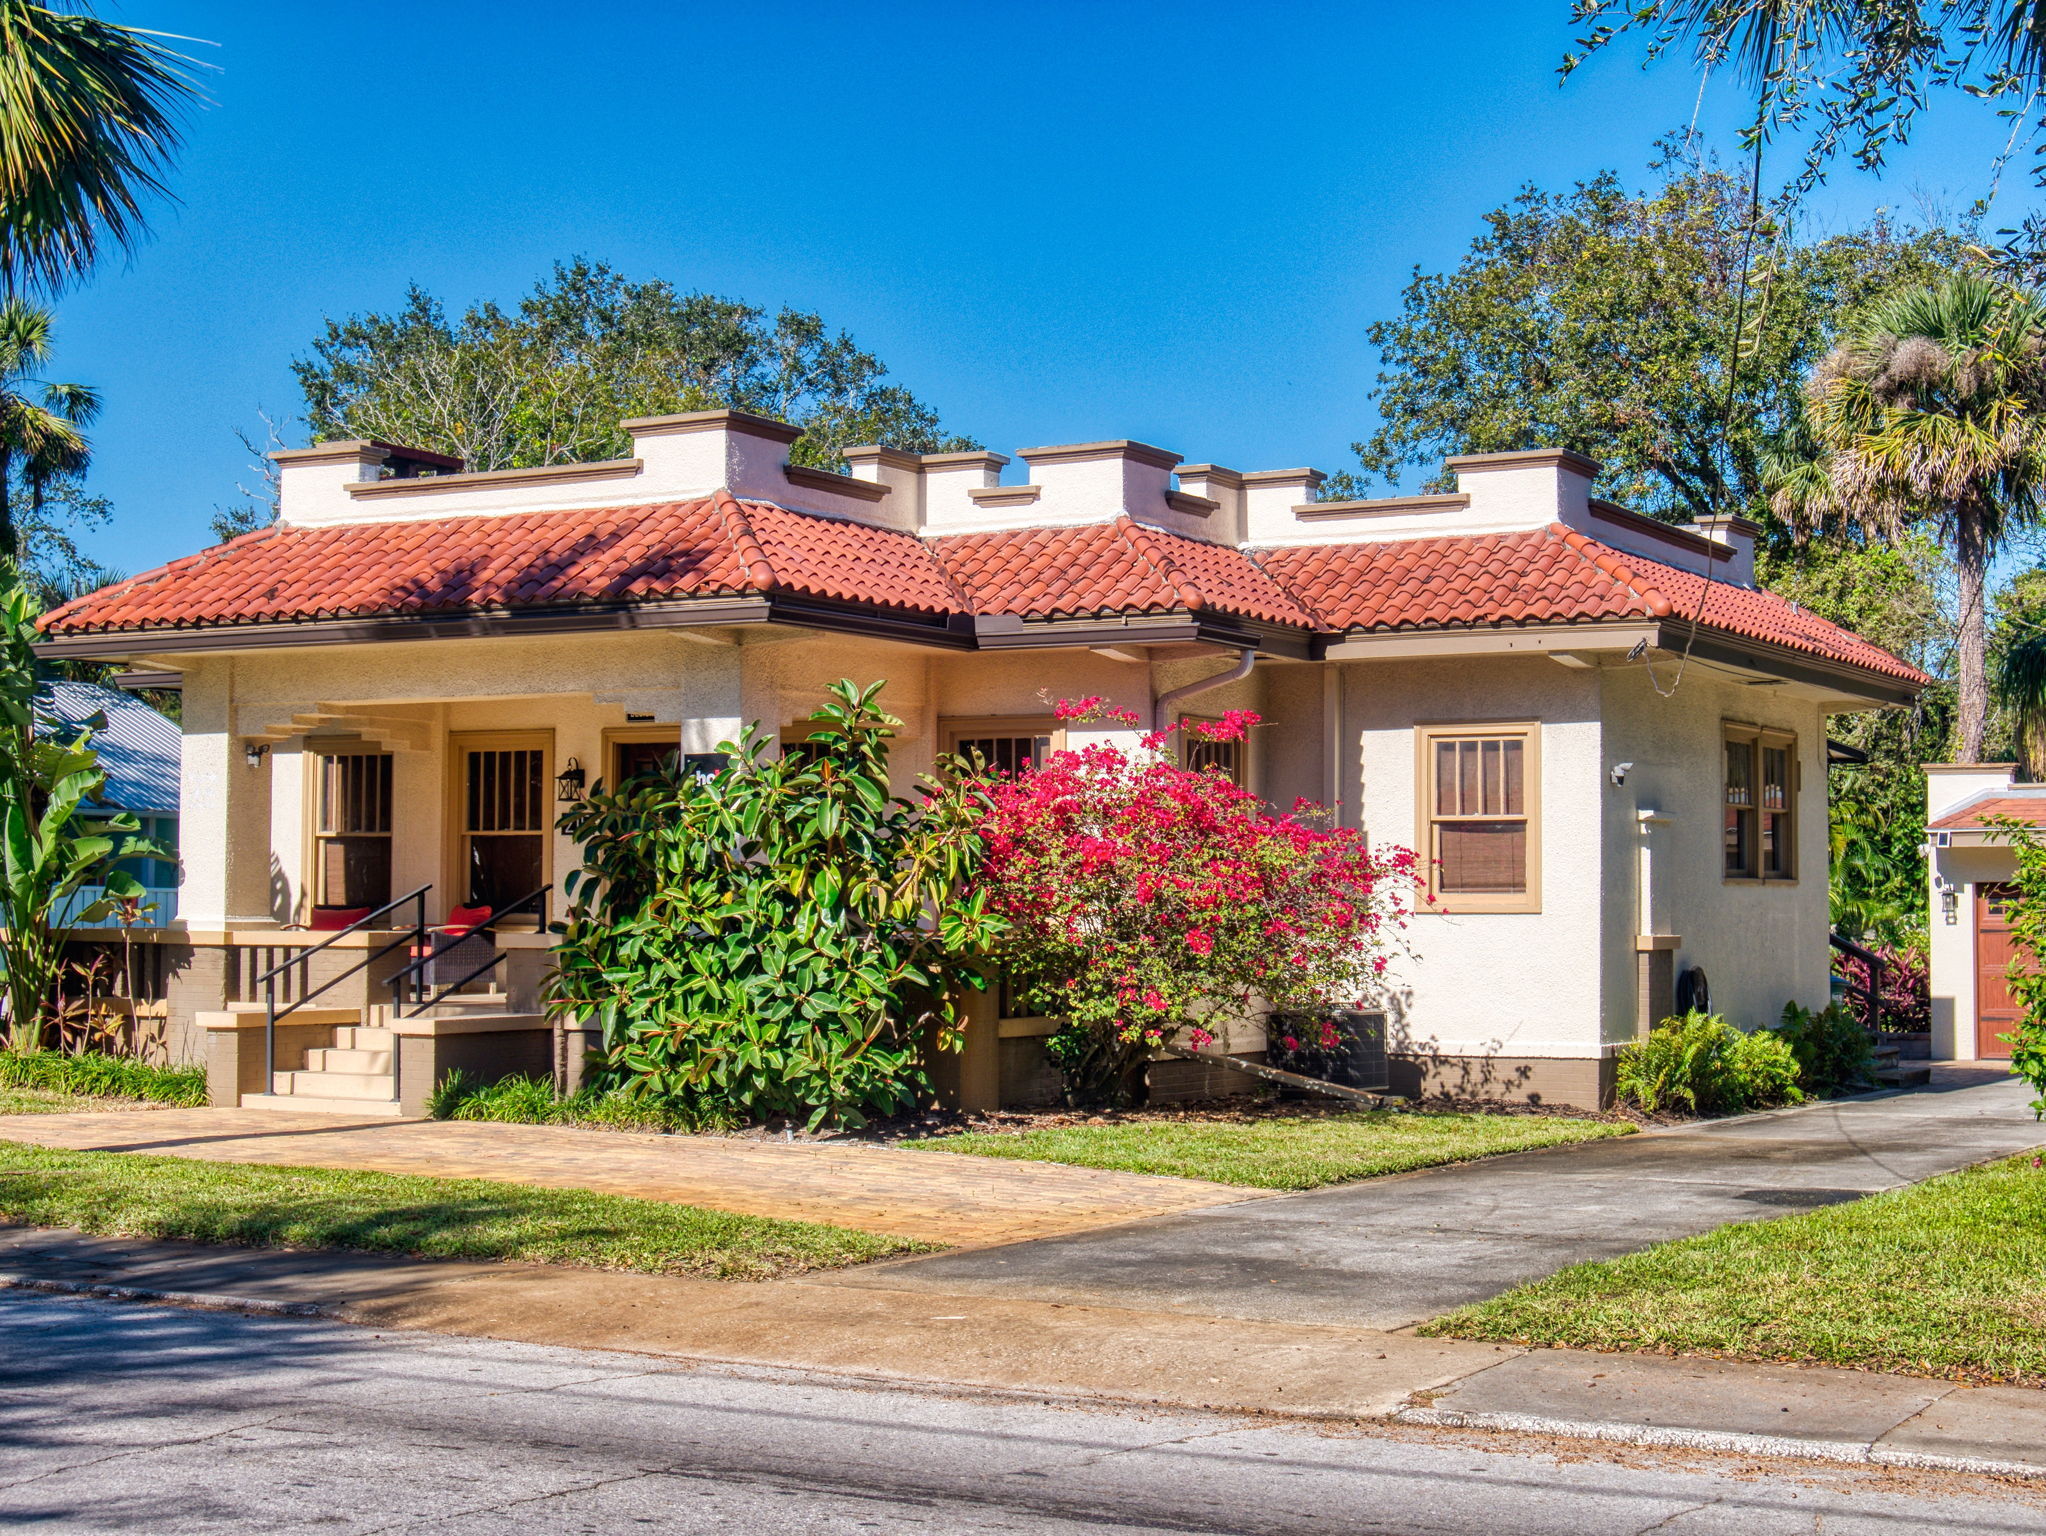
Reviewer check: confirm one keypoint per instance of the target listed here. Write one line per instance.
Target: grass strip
(94, 1074)
(41, 1101)
(127, 1194)
(1281, 1152)
(533, 1101)
(1945, 1278)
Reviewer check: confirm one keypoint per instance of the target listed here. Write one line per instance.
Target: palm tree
(88, 119)
(1932, 408)
(40, 436)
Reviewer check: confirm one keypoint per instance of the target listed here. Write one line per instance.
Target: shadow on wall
(1420, 1068)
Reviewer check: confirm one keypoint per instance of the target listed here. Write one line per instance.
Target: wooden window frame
(952, 730)
(460, 745)
(314, 793)
(1529, 734)
(1757, 738)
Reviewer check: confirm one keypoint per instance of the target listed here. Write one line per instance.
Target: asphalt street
(123, 1417)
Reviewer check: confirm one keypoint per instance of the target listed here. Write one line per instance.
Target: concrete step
(313, 1104)
(1909, 1074)
(362, 1038)
(336, 1085)
(348, 1059)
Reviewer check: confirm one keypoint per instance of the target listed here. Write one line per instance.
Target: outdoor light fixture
(568, 784)
(1950, 906)
(253, 752)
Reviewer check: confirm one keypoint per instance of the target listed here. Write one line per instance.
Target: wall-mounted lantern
(568, 784)
(1950, 906)
(253, 752)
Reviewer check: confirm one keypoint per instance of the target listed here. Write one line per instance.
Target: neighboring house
(1971, 868)
(138, 749)
(1610, 743)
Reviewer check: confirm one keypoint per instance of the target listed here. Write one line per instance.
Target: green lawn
(250, 1205)
(1946, 1278)
(1281, 1152)
(44, 1101)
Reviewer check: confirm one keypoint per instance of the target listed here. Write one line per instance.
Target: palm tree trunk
(10, 543)
(1971, 559)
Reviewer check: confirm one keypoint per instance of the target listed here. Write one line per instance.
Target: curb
(1844, 1452)
(211, 1301)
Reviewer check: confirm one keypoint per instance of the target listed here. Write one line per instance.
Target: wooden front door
(1995, 1011)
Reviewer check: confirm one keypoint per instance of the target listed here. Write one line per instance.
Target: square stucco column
(224, 816)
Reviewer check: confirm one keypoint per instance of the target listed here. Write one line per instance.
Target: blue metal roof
(139, 749)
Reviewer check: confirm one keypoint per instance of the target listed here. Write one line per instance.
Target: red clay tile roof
(1102, 568)
(721, 547)
(715, 547)
(1544, 576)
(2027, 808)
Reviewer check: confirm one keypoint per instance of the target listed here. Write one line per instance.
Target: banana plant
(54, 835)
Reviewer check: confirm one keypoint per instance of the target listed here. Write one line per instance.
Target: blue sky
(1055, 222)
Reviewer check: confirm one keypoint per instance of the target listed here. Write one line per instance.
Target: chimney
(312, 482)
(1525, 489)
(1223, 487)
(1094, 482)
(950, 480)
(693, 453)
(1738, 535)
(1269, 497)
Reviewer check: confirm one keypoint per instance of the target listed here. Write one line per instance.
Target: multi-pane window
(505, 805)
(1005, 746)
(1479, 786)
(1202, 753)
(352, 841)
(1759, 830)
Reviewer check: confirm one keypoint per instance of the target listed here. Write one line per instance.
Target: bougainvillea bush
(1143, 898)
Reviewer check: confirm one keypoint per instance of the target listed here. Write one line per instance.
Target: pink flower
(1200, 941)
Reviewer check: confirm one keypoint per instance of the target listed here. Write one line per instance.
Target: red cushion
(462, 921)
(330, 919)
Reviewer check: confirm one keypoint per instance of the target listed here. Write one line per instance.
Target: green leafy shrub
(533, 1101)
(2027, 908)
(780, 938)
(1702, 1064)
(1832, 1049)
(102, 1076)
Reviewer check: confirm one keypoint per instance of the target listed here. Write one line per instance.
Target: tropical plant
(2026, 908)
(1144, 898)
(1850, 75)
(89, 116)
(1932, 410)
(52, 839)
(781, 937)
(1904, 994)
(1704, 1065)
(1832, 1049)
(41, 436)
(549, 381)
(1604, 319)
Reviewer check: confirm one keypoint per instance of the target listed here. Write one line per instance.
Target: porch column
(1655, 949)
(224, 812)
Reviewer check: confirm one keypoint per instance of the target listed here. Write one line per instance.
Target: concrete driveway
(1391, 1252)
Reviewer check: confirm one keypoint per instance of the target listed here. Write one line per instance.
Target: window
(1760, 828)
(352, 840)
(1200, 754)
(1005, 745)
(503, 804)
(647, 756)
(1479, 785)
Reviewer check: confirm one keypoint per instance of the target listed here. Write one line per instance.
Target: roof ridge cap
(1167, 569)
(1608, 562)
(745, 543)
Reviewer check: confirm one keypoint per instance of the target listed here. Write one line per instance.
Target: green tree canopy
(1603, 320)
(548, 381)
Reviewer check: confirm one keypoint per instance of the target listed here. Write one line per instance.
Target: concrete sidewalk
(1392, 1252)
(1044, 1348)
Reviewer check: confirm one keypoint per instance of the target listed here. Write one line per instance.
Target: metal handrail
(268, 980)
(1872, 993)
(400, 979)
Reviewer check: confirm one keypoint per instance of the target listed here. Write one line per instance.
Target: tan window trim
(1758, 738)
(1529, 733)
(952, 731)
(1187, 742)
(460, 745)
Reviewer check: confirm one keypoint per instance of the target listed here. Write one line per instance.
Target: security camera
(1620, 772)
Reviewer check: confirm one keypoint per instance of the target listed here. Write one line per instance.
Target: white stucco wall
(1760, 945)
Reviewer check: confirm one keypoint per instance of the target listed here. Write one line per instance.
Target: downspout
(1161, 709)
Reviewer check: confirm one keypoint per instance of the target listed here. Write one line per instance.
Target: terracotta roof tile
(2026, 808)
(1101, 568)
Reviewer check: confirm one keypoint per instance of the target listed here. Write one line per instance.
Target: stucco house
(1607, 740)
(1971, 865)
